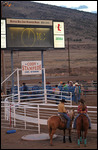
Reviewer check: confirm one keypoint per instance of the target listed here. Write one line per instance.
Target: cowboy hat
(82, 101)
(76, 83)
(63, 100)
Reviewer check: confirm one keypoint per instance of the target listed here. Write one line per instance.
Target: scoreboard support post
(12, 67)
(42, 70)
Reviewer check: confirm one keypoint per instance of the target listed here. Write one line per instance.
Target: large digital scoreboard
(27, 34)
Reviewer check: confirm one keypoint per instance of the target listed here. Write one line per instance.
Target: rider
(62, 110)
(82, 109)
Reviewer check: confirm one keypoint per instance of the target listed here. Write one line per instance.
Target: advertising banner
(59, 39)
(31, 67)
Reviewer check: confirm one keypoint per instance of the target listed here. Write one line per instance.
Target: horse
(55, 122)
(82, 125)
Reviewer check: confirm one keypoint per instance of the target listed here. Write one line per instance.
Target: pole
(10, 115)
(12, 71)
(3, 71)
(18, 85)
(2, 51)
(38, 120)
(3, 62)
(42, 69)
(45, 91)
(68, 57)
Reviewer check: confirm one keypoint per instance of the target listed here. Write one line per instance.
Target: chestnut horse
(55, 122)
(82, 125)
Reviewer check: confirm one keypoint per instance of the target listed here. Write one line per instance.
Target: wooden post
(68, 58)
(3, 62)
(2, 51)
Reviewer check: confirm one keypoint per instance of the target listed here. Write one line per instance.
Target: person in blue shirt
(24, 88)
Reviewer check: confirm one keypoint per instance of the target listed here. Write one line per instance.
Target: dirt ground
(83, 67)
(14, 141)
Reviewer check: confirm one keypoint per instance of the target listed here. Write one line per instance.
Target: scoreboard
(27, 34)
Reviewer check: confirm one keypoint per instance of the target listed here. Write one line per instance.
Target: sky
(87, 6)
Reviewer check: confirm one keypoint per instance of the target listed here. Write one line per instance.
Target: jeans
(74, 125)
(68, 119)
(77, 98)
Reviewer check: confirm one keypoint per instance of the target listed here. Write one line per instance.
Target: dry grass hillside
(80, 28)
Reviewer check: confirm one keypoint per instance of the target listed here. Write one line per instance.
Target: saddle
(81, 115)
(62, 118)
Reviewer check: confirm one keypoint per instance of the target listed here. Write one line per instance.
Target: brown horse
(55, 122)
(82, 125)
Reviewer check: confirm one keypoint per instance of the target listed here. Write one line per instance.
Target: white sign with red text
(31, 67)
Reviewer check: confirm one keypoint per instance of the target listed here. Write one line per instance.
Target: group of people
(69, 86)
(75, 88)
(82, 109)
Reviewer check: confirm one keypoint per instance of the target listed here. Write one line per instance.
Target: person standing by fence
(57, 92)
(76, 92)
(24, 88)
(82, 90)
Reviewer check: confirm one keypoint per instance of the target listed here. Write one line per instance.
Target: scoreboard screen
(19, 37)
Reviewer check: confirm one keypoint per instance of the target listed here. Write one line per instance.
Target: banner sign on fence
(31, 67)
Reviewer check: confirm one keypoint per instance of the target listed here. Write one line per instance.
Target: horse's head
(71, 114)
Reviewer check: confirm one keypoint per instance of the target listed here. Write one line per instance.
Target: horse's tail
(48, 123)
(49, 126)
(81, 123)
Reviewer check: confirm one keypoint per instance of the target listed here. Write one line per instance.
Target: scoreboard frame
(56, 31)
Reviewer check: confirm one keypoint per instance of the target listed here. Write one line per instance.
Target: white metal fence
(26, 113)
(40, 96)
(30, 116)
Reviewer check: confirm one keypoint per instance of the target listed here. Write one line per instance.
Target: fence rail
(39, 96)
(30, 116)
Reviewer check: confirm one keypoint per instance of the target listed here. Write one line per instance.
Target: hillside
(79, 26)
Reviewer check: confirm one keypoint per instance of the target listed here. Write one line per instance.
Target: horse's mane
(71, 114)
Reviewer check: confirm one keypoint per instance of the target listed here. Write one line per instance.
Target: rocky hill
(79, 26)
